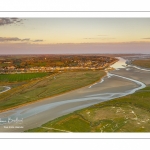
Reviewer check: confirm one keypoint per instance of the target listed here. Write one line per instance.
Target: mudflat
(41, 112)
(134, 73)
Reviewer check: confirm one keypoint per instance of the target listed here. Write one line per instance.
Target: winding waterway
(119, 64)
(110, 87)
(6, 89)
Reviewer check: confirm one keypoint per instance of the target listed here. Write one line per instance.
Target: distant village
(53, 63)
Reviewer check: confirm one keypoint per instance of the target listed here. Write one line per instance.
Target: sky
(74, 35)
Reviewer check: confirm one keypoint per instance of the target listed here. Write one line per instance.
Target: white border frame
(67, 14)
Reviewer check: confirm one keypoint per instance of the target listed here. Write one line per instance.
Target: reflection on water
(120, 64)
(87, 100)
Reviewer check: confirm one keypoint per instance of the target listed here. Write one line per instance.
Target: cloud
(25, 40)
(14, 19)
(101, 38)
(4, 39)
(148, 38)
(8, 21)
(38, 41)
(16, 39)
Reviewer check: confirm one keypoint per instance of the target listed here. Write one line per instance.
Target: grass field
(126, 114)
(48, 86)
(20, 77)
(142, 63)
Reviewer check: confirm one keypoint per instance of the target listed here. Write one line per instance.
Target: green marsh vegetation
(126, 114)
(49, 85)
(145, 63)
(20, 77)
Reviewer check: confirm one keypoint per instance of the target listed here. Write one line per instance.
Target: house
(11, 68)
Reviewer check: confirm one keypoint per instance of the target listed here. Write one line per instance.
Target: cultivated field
(126, 114)
(48, 86)
(20, 77)
(142, 63)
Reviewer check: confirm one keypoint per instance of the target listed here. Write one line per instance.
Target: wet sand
(6, 89)
(38, 113)
(140, 75)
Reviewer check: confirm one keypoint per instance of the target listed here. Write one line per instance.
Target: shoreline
(49, 109)
(19, 106)
(64, 104)
(143, 85)
(7, 89)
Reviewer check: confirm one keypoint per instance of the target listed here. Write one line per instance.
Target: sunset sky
(74, 35)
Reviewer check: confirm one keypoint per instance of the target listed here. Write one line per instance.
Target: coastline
(138, 82)
(51, 108)
(44, 111)
(26, 104)
(7, 89)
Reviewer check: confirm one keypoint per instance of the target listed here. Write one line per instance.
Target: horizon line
(77, 54)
